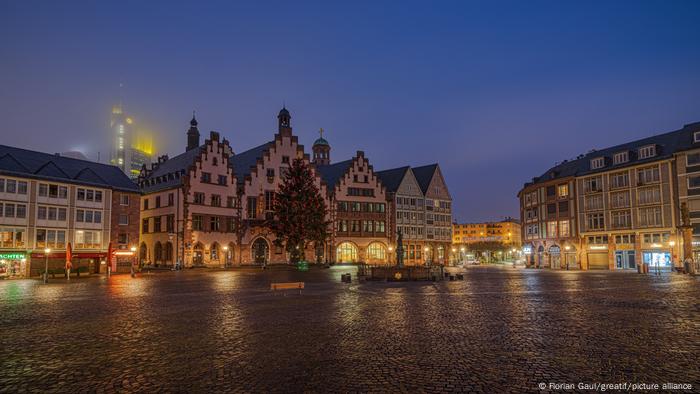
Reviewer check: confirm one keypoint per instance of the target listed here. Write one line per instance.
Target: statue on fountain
(399, 249)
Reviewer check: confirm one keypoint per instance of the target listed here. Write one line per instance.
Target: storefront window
(658, 260)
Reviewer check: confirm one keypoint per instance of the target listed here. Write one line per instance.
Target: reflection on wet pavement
(498, 330)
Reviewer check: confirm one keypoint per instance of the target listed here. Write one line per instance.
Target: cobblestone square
(499, 330)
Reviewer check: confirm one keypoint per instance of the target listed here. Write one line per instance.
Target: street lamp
(46, 268)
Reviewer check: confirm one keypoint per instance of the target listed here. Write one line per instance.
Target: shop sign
(12, 256)
(527, 249)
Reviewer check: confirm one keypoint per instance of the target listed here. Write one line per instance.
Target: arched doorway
(168, 253)
(157, 253)
(540, 256)
(376, 253)
(260, 251)
(319, 252)
(229, 254)
(346, 253)
(214, 254)
(555, 257)
(143, 253)
(198, 254)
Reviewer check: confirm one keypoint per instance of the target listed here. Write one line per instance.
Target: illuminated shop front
(13, 264)
(656, 251)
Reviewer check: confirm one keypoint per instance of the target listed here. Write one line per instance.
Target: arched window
(347, 253)
(376, 251)
(198, 254)
(168, 252)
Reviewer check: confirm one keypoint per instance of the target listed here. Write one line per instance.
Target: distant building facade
(506, 231)
(622, 206)
(50, 201)
(130, 150)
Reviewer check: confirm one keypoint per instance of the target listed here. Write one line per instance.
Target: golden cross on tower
(321, 132)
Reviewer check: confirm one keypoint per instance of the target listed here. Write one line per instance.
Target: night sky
(494, 92)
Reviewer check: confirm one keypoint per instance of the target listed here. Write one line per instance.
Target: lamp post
(46, 267)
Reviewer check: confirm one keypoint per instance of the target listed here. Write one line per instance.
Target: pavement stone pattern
(499, 330)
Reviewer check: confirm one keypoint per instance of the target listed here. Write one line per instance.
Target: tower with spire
(192, 134)
(321, 150)
(284, 124)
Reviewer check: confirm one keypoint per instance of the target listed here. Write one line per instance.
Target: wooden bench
(287, 286)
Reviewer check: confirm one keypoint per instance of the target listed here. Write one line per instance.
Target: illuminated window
(346, 253)
(376, 251)
(563, 190)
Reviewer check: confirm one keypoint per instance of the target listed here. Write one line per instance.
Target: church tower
(192, 135)
(284, 124)
(322, 151)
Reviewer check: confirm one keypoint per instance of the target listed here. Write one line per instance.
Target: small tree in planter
(299, 211)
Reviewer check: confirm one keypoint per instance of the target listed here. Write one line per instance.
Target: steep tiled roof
(424, 175)
(243, 162)
(392, 178)
(168, 174)
(32, 164)
(332, 173)
(666, 145)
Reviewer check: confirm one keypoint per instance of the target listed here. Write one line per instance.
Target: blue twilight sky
(496, 92)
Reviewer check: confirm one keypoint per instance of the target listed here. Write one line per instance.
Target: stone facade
(626, 206)
(359, 213)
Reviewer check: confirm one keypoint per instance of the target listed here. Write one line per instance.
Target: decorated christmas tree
(299, 211)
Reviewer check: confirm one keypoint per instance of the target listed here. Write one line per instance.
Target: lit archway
(346, 253)
(214, 253)
(376, 253)
(260, 251)
(198, 254)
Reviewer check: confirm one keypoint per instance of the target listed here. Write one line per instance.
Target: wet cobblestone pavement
(499, 330)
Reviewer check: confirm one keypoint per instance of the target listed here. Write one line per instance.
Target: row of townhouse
(619, 207)
(50, 203)
(210, 206)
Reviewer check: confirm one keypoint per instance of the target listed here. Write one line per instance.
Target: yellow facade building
(506, 231)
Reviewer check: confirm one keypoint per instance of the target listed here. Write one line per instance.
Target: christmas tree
(299, 211)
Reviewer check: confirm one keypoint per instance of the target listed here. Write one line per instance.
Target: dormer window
(621, 157)
(598, 162)
(696, 136)
(648, 151)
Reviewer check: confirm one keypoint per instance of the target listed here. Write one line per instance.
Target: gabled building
(259, 173)
(407, 212)
(48, 202)
(210, 206)
(357, 202)
(438, 213)
(188, 208)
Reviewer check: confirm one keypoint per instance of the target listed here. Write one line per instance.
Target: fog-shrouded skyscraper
(130, 149)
